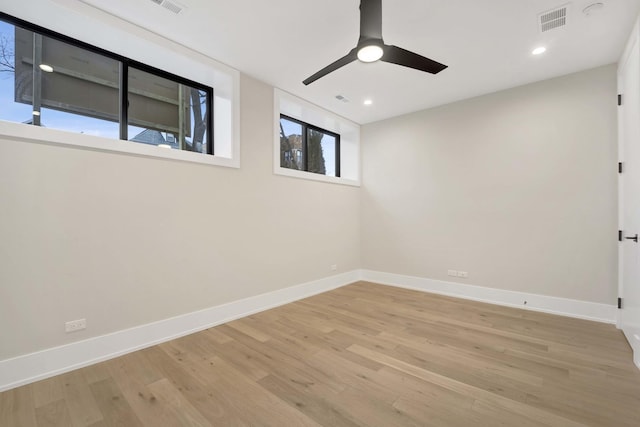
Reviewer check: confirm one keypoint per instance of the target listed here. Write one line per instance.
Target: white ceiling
(486, 44)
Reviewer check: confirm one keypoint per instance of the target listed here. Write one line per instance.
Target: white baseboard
(547, 304)
(53, 361)
(632, 334)
(43, 364)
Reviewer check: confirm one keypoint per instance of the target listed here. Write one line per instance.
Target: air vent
(341, 98)
(553, 19)
(171, 6)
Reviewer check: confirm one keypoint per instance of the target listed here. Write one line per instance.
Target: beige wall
(123, 240)
(518, 188)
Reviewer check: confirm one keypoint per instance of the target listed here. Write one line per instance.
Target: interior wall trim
(43, 364)
(562, 306)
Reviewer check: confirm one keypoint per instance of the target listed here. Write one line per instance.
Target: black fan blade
(397, 55)
(371, 19)
(349, 57)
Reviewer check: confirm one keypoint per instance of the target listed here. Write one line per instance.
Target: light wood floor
(362, 355)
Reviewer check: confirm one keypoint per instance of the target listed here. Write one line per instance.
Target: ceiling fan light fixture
(370, 53)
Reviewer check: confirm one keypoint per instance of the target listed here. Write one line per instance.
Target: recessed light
(367, 102)
(46, 68)
(36, 113)
(539, 50)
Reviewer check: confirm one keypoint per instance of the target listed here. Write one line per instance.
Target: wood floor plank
(133, 378)
(53, 414)
(312, 403)
(243, 359)
(466, 389)
(501, 416)
(81, 403)
(206, 396)
(278, 359)
(243, 327)
(47, 391)
(113, 405)
(409, 385)
(216, 336)
(437, 413)
(17, 407)
(236, 390)
(368, 411)
(582, 410)
(95, 373)
(179, 407)
(353, 375)
(360, 355)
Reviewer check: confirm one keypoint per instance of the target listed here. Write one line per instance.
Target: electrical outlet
(75, 325)
(334, 267)
(463, 274)
(453, 273)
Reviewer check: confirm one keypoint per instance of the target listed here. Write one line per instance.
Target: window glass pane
(314, 152)
(321, 151)
(291, 155)
(11, 108)
(328, 145)
(166, 113)
(53, 84)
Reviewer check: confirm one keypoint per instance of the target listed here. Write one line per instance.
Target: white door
(629, 145)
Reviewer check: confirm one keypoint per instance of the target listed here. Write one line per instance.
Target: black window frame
(305, 130)
(125, 64)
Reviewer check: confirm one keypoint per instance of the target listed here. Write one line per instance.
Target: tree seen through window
(307, 148)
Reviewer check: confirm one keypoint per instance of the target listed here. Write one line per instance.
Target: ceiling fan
(371, 47)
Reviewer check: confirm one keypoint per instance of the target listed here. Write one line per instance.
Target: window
(166, 113)
(314, 144)
(49, 80)
(308, 148)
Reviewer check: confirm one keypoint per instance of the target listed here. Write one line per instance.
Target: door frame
(632, 47)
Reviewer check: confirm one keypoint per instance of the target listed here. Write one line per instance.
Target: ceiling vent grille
(553, 19)
(170, 6)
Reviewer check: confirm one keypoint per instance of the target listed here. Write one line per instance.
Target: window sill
(39, 135)
(314, 176)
